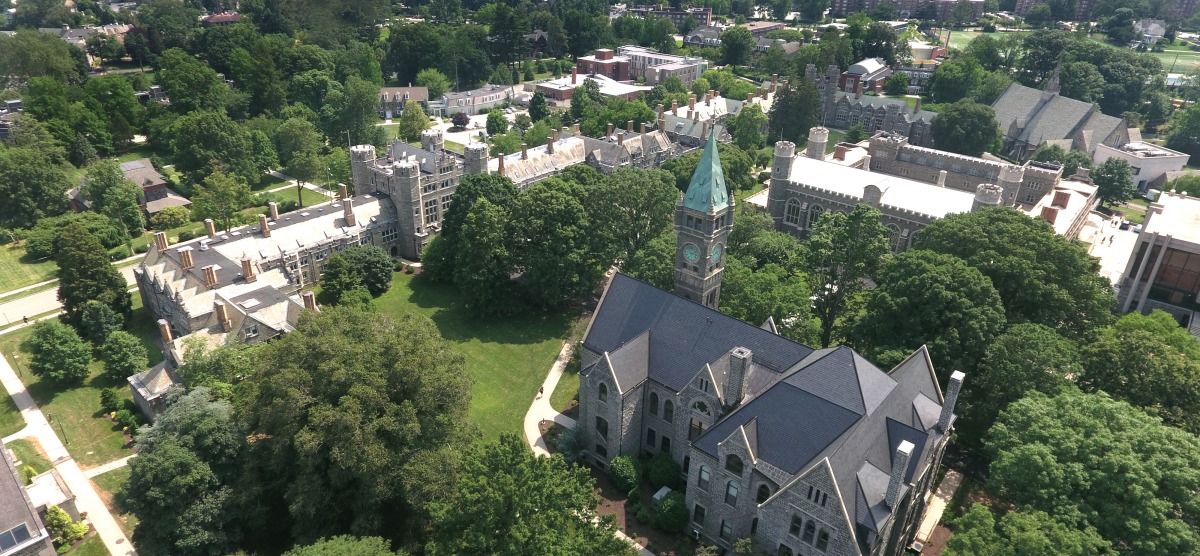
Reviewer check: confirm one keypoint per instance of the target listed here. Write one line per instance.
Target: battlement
(852, 200)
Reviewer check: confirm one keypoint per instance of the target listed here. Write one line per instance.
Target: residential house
(215, 20)
(477, 101)
(702, 16)
(393, 99)
(156, 195)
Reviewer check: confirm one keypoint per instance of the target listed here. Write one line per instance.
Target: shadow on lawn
(458, 324)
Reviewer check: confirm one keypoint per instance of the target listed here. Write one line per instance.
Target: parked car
(1124, 224)
(1137, 229)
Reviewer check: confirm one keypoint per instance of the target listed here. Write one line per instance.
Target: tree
(1114, 181)
(216, 368)
(1039, 15)
(64, 531)
(483, 258)
(856, 133)
(33, 187)
(345, 545)
(966, 127)
(1082, 81)
(29, 53)
(170, 217)
(653, 263)
(896, 84)
(736, 46)
(1184, 127)
(413, 121)
(881, 41)
(1020, 532)
(97, 321)
(931, 299)
(353, 111)
(737, 164)
(1071, 161)
(1042, 277)
(1087, 460)
(169, 23)
(794, 111)
(435, 81)
(842, 251)
(220, 197)
(628, 209)
(200, 139)
(85, 274)
(672, 514)
(769, 292)
(357, 267)
(347, 409)
(538, 108)
(812, 10)
(114, 196)
(460, 120)
(747, 127)
(43, 240)
(439, 258)
(550, 237)
(496, 123)
(190, 83)
(57, 353)
(509, 501)
(124, 355)
(105, 47)
(299, 146)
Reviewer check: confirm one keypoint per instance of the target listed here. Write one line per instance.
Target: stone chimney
(899, 469)
(210, 276)
(574, 75)
(550, 143)
(210, 227)
(500, 164)
(708, 98)
(941, 178)
(917, 106)
(659, 109)
(696, 116)
(342, 193)
(739, 367)
(248, 270)
(524, 151)
(691, 103)
(263, 226)
(160, 241)
(674, 107)
(185, 258)
(628, 126)
(310, 301)
(858, 89)
(621, 138)
(610, 130)
(575, 129)
(348, 213)
(222, 315)
(274, 208)
(866, 162)
(749, 97)
(952, 389)
(164, 331)
(704, 130)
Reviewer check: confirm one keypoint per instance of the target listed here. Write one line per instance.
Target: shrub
(570, 444)
(171, 217)
(662, 471)
(142, 249)
(57, 353)
(127, 419)
(108, 400)
(672, 515)
(28, 473)
(42, 240)
(60, 526)
(187, 235)
(625, 473)
(124, 355)
(642, 515)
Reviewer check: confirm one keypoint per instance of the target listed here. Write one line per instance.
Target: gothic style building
(843, 110)
(806, 451)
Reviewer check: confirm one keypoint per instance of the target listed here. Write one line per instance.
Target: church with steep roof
(806, 451)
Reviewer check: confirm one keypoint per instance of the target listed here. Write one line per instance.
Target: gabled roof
(707, 192)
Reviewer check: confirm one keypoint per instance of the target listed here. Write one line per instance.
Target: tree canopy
(843, 249)
(966, 127)
(85, 274)
(57, 353)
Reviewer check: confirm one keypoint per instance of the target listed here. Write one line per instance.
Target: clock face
(716, 252)
(691, 252)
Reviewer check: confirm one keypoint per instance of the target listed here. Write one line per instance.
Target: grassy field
(835, 137)
(108, 485)
(30, 454)
(74, 411)
(1178, 61)
(10, 419)
(309, 196)
(507, 358)
(268, 182)
(17, 271)
(91, 547)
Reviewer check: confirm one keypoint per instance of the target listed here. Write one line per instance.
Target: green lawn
(18, 271)
(74, 411)
(91, 547)
(29, 454)
(507, 358)
(568, 385)
(108, 486)
(835, 137)
(10, 419)
(1178, 61)
(268, 182)
(310, 197)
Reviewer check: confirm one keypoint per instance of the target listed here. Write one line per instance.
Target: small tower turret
(986, 195)
(818, 137)
(476, 158)
(360, 167)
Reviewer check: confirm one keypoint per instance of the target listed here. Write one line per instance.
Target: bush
(57, 353)
(28, 473)
(127, 419)
(42, 240)
(142, 249)
(60, 526)
(642, 515)
(187, 235)
(625, 473)
(570, 444)
(662, 471)
(672, 515)
(171, 217)
(108, 400)
(124, 355)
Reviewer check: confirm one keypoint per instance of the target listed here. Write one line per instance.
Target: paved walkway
(115, 464)
(291, 184)
(86, 498)
(541, 410)
(937, 504)
(41, 302)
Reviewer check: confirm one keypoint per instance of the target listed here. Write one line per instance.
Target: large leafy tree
(414, 120)
(931, 299)
(97, 321)
(1114, 181)
(29, 53)
(345, 409)
(114, 196)
(509, 501)
(843, 249)
(440, 255)
(737, 164)
(630, 208)
(1042, 277)
(754, 295)
(435, 81)
(203, 140)
(653, 263)
(190, 83)
(1087, 461)
(124, 355)
(797, 108)
(551, 239)
(345, 545)
(736, 45)
(978, 533)
(85, 274)
(33, 186)
(220, 197)
(747, 127)
(350, 113)
(357, 267)
(168, 23)
(483, 257)
(57, 353)
(966, 127)
(1071, 161)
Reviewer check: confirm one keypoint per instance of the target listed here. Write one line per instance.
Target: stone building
(806, 451)
(649, 148)
(21, 530)
(843, 110)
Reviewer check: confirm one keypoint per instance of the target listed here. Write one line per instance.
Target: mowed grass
(93, 546)
(507, 358)
(74, 411)
(30, 454)
(10, 419)
(109, 486)
(17, 270)
(309, 196)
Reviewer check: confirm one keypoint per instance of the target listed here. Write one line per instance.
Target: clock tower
(703, 219)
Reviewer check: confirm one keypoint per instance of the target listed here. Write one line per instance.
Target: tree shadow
(457, 323)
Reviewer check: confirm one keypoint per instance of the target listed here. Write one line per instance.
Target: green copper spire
(707, 190)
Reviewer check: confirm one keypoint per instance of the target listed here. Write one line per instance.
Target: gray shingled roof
(1059, 118)
(877, 102)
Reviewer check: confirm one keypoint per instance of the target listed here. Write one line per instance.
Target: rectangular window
(666, 445)
(651, 437)
(602, 427)
(390, 234)
(14, 536)
(431, 211)
(696, 429)
(698, 515)
(429, 186)
(703, 478)
(251, 331)
(726, 530)
(601, 451)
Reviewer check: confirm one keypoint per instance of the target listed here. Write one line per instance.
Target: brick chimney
(222, 315)
(899, 469)
(574, 75)
(310, 301)
(675, 107)
(342, 193)
(210, 227)
(858, 89)
(952, 389)
(1049, 214)
(628, 126)
(550, 143)
(610, 130)
(708, 98)
(500, 165)
(643, 128)
(524, 151)
(621, 138)
(210, 276)
(692, 103)
(774, 82)
(274, 208)
(839, 152)
(185, 258)
(160, 241)
(575, 129)
(164, 331)
(348, 213)
(262, 225)
(248, 270)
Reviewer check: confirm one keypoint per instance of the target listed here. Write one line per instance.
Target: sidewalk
(41, 302)
(291, 184)
(937, 504)
(115, 464)
(86, 498)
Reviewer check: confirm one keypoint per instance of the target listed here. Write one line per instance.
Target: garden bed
(616, 504)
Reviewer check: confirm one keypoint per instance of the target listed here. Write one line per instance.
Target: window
(251, 331)
(791, 214)
(700, 407)
(698, 514)
(602, 427)
(764, 492)
(1030, 198)
(651, 437)
(14, 536)
(669, 411)
(814, 212)
(429, 186)
(431, 211)
(784, 550)
(823, 540)
(731, 493)
(703, 385)
(696, 429)
(702, 479)
(733, 464)
(602, 392)
(601, 451)
(810, 529)
(726, 530)
(390, 234)
(895, 240)
(797, 524)
(666, 444)
(653, 403)
(445, 204)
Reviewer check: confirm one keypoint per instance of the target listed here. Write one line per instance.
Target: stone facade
(844, 110)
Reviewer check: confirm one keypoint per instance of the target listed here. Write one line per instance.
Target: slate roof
(683, 336)
(878, 102)
(142, 173)
(15, 507)
(707, 192)
(1057, 118)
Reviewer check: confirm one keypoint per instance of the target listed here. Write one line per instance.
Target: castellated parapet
(987, 195)
(818, 138)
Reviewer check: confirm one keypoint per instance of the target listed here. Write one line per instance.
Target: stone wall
(775, 516)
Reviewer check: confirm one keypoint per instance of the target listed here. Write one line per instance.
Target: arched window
(912, 238)
(654, 403)
(814, 212)
(764, 492)
(669, 411)
(791, 214)
(810, 529)
(733, 464)
(894, 239)
(602, 392)
(731, 493)
(823, 540)
(703, 478)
